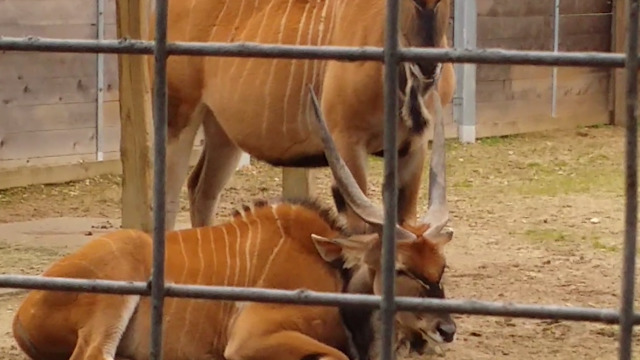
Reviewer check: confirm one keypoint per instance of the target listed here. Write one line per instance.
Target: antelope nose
(447, 330)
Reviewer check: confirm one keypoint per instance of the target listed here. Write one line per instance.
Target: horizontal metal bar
(478, 56)
(304, 297)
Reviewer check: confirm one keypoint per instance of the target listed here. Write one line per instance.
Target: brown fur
(66, 325)
(261, 106)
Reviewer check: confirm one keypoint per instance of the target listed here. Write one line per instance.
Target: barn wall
(48, 100)
(516, 98)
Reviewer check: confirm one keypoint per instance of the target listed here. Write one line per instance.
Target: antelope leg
(285, 345)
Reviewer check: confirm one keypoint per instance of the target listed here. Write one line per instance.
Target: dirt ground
(538, 219)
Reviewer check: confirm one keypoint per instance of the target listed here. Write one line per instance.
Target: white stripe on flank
(294, 64)
(277, 249)
(215, 24)
(248, 61)
(247, 246)
(189, 302)
(237, 257)
(226, 281)
(232, 33)
(302, 111)
(314, 72)
(213, 278)
(187, 319)
(269, 84)
(256, 248)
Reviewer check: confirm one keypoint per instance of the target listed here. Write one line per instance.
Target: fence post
(135, 119)
(464, 100)
(297, 183)
(618, 44)
(100, 84)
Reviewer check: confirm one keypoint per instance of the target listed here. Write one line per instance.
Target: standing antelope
(266, 246)
(258, 105)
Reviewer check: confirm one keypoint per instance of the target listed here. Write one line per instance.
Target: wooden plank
(39, 12)
(110, 12)
(66, 171)
(20, 65)
(585, 24)
(47, 143)
(39, 117)
(521, 109)
(53, 160)
(570, 82)
(494, 127)
(585, 6)
(527, 43)
(136, 120)
(491, 28)
(61, 31)
(47, 91)
(30, 175)
(502, 8)
(586, 42)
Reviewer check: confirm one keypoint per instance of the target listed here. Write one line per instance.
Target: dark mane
(329, 215)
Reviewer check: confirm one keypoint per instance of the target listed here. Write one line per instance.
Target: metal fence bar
(631, 188)
(344, 53)
(389, 189)
(304, 297)
(159, 170)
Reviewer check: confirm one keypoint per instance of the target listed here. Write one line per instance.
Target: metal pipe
(304, 297)
(554, 74)
(389, 188)
(343, 53)
(100, 86)
(631, 182)
(159, 165)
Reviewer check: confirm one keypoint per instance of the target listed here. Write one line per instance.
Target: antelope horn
(347, 185)
(437, 215)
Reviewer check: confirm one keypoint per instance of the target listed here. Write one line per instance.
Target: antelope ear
(441, 239)
(351, 247)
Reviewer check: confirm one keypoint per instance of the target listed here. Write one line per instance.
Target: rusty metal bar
(389, 188)
(631, 188)
(159, 170)
(303, 297)
(345, 53)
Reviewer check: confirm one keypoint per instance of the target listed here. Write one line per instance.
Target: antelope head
(420, 261)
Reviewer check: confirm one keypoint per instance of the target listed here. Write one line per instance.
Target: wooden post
(297, 183)
(619, 45)
(135, 119)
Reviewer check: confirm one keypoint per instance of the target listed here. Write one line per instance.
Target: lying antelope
(265, 245)
(259, 105)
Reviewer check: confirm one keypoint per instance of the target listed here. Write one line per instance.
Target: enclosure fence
(391, 55)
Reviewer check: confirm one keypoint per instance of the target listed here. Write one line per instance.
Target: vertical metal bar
(464, 100)
(631, 210)
(159, 140)
(390, 191)
(100, 86)
(556, 40)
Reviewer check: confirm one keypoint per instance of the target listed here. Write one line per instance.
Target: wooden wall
(515, 98)
(48, 100)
